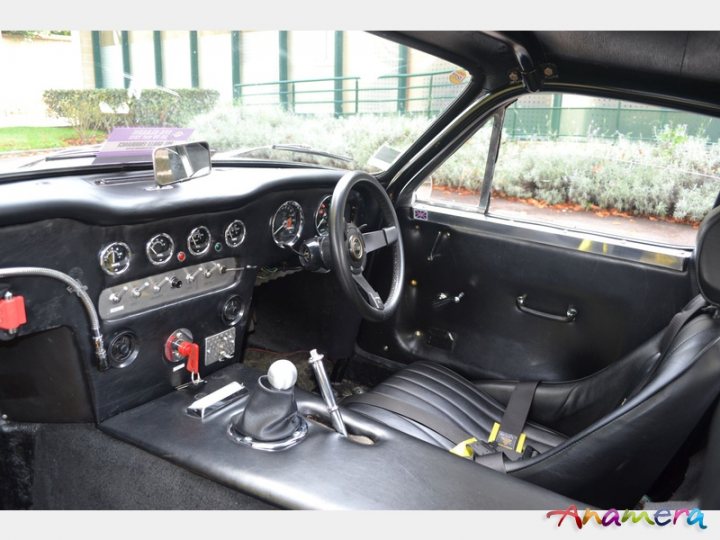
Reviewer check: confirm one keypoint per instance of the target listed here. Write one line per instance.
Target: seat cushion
(444, 393)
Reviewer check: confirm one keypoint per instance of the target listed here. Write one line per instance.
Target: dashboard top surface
(114, 198)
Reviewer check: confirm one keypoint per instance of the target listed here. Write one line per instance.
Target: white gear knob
(282, 375)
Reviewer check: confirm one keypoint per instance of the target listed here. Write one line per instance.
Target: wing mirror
(180, 162)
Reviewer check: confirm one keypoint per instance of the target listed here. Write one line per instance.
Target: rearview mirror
(181, 162)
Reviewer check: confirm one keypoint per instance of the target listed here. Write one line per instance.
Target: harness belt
(506, 437)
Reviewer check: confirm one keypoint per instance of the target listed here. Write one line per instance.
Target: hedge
(675, 176)
(152, 107)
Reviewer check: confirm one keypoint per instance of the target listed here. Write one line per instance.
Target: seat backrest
(615, 460)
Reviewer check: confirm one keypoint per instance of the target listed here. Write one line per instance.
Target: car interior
(190, 334)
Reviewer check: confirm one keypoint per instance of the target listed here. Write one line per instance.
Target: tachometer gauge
(322, 215)
(198, 241)
(287, 223)
(160, 248)
(235, 233)
(115, 258)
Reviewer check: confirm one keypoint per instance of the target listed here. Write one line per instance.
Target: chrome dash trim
(674, 258)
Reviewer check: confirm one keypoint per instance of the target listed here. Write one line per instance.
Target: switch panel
(220, 347)
(166, 288)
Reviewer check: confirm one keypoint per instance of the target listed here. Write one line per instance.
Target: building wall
(36, 65)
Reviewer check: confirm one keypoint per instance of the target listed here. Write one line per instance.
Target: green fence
(603, 122)
(415, 93)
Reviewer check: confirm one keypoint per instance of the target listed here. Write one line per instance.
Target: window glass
(607, 166)
(458, 180)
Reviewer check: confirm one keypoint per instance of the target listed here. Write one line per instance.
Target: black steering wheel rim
(349, 248)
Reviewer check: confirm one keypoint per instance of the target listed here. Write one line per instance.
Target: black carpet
(76, 466)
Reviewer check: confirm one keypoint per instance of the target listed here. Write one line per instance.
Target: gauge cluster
(189, 240)
(117, 257)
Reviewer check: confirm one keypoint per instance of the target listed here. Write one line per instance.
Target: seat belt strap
(679, 320)
(508, 434)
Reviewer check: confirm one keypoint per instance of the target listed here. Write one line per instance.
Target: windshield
(342, 99)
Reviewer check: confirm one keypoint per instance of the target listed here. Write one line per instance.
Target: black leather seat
(603, 439)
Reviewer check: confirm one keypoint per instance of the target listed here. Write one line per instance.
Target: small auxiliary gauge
(160, 249)
(198, 241)
(115, 258)
(235, 233)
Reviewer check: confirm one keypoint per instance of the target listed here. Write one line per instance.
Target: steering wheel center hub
(356, 246)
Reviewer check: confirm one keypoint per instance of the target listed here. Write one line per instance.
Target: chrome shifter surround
(272, 446)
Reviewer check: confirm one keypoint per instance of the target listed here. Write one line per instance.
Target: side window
(457, 182)
(607, 166)
(598, 165)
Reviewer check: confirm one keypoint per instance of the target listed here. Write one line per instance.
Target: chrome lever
(316, 361)
(443, 299)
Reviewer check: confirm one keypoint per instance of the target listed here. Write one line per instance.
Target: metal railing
(413, 93)
(603, 122)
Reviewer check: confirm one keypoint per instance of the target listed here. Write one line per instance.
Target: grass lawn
(35, 138)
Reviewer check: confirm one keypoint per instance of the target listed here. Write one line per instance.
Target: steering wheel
(349, 247)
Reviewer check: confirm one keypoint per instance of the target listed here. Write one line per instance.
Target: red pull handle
(12, 312)
(191, 351)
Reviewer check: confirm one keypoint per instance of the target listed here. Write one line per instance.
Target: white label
(116, 309)
(178, 367)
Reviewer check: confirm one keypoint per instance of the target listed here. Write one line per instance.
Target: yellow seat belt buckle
(505, 440)
(463, 449)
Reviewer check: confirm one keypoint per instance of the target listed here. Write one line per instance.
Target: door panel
(620, 303)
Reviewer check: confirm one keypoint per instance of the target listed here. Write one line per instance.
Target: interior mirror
(181, 162)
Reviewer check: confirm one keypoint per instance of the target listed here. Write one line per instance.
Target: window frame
(483, 207)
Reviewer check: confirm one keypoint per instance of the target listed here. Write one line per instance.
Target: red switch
(191, 351)
(12, 312)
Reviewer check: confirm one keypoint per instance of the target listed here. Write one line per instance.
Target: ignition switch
(180, 346)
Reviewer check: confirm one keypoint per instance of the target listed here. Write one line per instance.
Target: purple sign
(137, 143)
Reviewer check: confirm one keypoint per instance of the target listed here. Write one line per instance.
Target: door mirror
(180, 162)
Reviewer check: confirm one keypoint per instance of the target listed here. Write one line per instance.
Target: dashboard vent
(128, 178)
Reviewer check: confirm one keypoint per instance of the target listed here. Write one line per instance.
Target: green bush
(358, 137)
(675, 176)
(152, 107)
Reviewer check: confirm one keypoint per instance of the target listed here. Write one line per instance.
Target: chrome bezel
(300, 224)
(189, 245)
(172, 249)
(275, 446)
(327, 198)
(104, 251)
(227, 230)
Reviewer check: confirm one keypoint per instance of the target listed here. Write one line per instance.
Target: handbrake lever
(316, 361)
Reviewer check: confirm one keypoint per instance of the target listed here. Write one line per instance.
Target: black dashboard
(155, 261)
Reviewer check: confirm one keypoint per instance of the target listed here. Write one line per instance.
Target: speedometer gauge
(115, 258)
(322, 214)
(198, 241)
(287, 223)
(160, 248)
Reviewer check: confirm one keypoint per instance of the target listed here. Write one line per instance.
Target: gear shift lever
(270, 420)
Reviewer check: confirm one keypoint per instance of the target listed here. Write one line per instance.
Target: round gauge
(115, 258)
(160, 249)
(322, 215)
(235, 233)
(198, 241)
(287, 223)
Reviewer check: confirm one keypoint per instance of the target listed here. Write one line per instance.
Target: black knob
(232, 310)
(123, 349)
(175, 283)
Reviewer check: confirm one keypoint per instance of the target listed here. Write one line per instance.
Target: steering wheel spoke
(375, 240)
(371, 293)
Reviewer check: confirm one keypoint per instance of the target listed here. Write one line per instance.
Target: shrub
(358, 137)
(152, 107)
